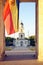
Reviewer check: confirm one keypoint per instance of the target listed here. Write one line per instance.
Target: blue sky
(27, 16)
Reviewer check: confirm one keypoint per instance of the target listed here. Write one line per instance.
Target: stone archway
(2, 37)
(2, 33)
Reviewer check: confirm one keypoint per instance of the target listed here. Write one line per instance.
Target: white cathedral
(21, 41)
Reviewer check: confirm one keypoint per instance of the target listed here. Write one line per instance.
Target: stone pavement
(20, 58)
(20, 54)
(22, 62)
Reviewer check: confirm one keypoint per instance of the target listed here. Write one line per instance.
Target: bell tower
(21, 28)
(21, 31)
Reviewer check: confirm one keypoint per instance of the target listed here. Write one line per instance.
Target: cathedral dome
(21, 23)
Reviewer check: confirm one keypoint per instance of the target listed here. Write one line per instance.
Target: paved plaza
(20, 54)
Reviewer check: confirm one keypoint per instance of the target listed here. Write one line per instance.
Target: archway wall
(39, 29)
(28, 0)
(2, 38)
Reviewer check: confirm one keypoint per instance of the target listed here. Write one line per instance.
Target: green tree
(9, 41)
(32, 40)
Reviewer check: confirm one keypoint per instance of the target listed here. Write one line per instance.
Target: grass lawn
(8, 48)
(32, 48)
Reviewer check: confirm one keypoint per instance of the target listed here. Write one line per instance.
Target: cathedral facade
(21, 41)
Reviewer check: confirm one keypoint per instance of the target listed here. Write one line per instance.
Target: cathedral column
(2, 35)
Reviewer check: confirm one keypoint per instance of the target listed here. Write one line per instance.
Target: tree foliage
(9, 41)
(32, 40)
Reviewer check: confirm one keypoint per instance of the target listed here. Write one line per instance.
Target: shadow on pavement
(19, 57)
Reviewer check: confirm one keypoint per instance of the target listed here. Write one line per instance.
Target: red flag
(8, 19)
